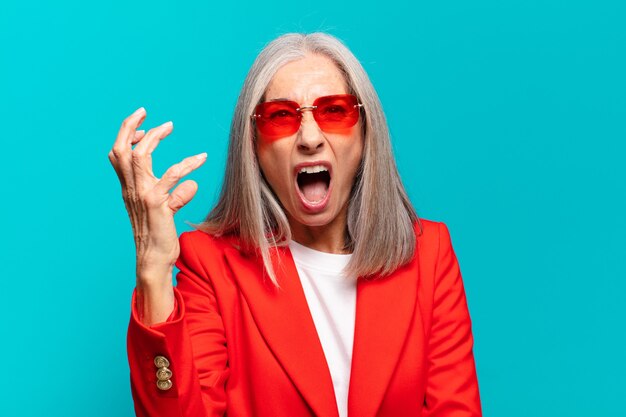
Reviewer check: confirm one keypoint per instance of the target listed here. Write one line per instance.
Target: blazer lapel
(283, 317)
(384, 311)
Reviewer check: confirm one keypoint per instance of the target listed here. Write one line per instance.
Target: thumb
(182, 195)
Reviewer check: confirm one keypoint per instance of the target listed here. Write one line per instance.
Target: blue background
(508, 125)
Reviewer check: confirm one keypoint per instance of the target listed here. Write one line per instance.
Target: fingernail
(139, 111)
(168, 124)
(140, 132)
(201, 155)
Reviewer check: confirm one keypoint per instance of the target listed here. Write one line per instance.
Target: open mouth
(313, 183)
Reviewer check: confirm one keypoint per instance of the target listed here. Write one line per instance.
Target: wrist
(154, 305)
(154, 277)
(156, 259)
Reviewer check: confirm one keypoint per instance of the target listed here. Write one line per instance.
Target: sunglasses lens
(337, 113)
(281, 118)
(276, 119)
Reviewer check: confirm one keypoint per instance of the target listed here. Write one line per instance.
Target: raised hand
(150, 205)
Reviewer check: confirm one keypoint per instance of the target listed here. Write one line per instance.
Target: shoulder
(430, 230)
(198, 245)
(432, 237)
(201, 239)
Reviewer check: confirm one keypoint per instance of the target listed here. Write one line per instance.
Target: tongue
(314, 191)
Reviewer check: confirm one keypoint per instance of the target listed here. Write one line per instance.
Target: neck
(328, 238)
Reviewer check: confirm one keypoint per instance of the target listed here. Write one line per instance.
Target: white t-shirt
(331, 297)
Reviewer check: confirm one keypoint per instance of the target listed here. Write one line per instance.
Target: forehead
(306, 79)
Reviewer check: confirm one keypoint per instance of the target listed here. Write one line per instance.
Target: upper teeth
(313, 169)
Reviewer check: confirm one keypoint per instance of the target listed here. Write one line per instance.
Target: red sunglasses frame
(272, 131)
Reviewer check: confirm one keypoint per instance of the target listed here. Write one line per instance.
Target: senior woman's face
(311, 171)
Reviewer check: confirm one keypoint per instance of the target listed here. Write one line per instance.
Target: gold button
(161, 361)
(164, 385)
(163, 374)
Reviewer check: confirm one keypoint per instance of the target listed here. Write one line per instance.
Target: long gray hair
(380, 224)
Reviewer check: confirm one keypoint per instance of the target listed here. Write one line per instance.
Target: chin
(318, 219)
(315, 221)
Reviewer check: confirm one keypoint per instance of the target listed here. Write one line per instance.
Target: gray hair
(381, 220)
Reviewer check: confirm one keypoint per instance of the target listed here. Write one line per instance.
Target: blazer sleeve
(192, 341)
(452, 385)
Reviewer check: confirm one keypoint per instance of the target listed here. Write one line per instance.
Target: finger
(182, 195)
(176, 172)
(118, 169)
(141, 155)
(152, 138)
(120, 154)
(127, 130)
(113, 161)
(138, 136)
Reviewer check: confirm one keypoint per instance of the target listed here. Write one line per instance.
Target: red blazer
(237, 346)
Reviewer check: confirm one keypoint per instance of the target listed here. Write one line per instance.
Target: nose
(310, 137)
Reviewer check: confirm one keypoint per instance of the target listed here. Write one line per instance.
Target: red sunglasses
(333, 114)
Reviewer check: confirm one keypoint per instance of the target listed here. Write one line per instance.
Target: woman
(311, 288)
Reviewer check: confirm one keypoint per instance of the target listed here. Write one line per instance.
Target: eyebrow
(279, 99)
